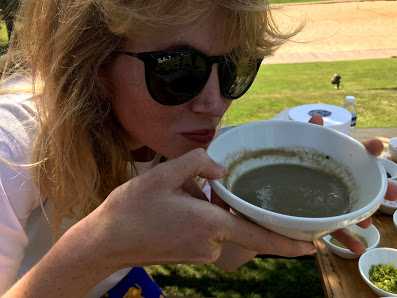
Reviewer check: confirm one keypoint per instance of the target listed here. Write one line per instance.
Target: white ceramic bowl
(388, 207)
(370, 234)
(382, 255)
(369, 175)
(395, 218)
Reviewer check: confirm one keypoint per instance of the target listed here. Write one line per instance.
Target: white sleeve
(13, 241)
(18, 196)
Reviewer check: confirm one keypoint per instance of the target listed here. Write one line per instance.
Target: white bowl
(390, 166)
(388, 207)
(368, 174)
(376, 256)
(395, 218)
(370, 234)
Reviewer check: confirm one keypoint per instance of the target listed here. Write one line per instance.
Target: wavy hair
(80, 153)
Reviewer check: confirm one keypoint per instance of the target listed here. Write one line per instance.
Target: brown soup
(294, 190)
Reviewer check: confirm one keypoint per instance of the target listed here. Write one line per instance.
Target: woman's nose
(210, 101)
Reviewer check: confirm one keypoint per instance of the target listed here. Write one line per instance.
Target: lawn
(281, 86)
(260, 278)
(3, 33)
(3, 37)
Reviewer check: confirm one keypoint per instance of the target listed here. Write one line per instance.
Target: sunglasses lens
(175, 78)
(235, 79)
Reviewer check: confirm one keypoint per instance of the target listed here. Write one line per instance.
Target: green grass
(281, 86)
(3, 34)
(3, 37)
(267, 278)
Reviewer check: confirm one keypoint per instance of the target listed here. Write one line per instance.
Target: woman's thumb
(195, 163)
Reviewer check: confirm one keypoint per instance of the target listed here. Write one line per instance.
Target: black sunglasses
(176, 76)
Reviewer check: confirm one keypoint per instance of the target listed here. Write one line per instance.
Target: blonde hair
(80, 153)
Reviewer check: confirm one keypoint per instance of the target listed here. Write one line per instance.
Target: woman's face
(169, 130)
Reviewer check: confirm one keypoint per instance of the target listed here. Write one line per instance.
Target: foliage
(267, 278)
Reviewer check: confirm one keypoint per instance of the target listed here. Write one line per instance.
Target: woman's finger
(365, 223)
(192, 188)
(215, 199)
(391, 193)
(263, 241)
(175, 173)
(317, 119)
(374, 146)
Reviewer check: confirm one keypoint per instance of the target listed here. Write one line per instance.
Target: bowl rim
(367, 210)
(364, 277)
(327, 240)
(390, 166)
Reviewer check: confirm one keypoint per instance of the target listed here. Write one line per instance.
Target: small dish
(371, 236)
(388, 207)
(376, 256)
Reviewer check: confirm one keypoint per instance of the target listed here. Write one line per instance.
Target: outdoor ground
(337, 31)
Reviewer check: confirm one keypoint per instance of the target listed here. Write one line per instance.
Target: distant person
(336, 80)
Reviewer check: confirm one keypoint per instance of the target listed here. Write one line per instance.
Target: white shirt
(25, 234)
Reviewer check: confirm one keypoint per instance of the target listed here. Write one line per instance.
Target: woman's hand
(374, 147)
(152, 219)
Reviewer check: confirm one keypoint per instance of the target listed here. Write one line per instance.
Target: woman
(119, 87)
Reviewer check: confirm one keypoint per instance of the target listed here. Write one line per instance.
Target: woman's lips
(203, 136)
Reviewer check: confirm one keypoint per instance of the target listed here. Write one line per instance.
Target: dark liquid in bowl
(294, 190)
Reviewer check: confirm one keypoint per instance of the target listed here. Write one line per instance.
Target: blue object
(138, 281)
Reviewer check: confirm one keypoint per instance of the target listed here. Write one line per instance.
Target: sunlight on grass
(282, 86)
(3, 34)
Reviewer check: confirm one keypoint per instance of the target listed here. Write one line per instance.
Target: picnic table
(340, 277)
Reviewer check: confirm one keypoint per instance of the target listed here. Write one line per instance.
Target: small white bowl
(395, 218)
(388, 207)
(382, 255)
(370, 234)
(367, 173)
